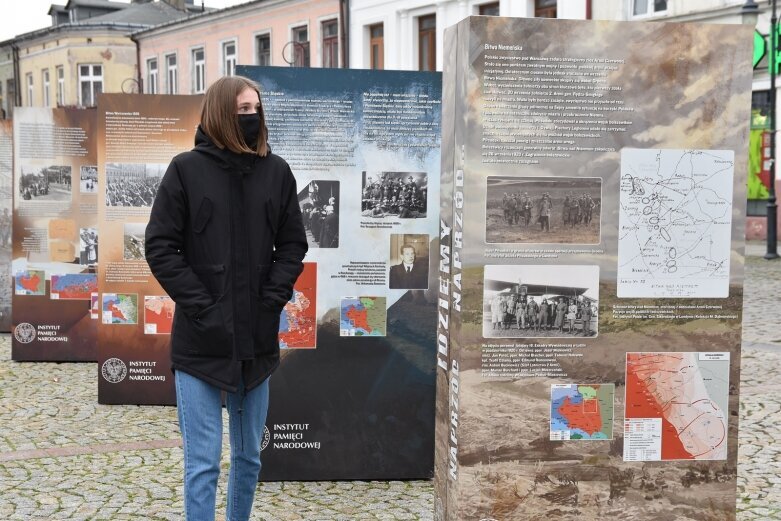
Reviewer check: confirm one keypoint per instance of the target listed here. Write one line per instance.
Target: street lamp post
(772, 207)
(750, 12)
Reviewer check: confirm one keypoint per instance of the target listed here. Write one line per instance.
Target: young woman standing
(226, 241)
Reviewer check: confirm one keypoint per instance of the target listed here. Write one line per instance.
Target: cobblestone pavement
(759, 453)
(80, 467)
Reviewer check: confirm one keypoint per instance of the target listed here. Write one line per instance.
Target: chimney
(177, 4)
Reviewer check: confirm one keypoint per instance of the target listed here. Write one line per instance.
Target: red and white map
(676, 406)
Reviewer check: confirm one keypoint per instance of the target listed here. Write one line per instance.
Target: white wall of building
(722, 11)
(400, 24)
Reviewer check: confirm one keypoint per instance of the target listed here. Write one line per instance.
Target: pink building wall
(241, 24)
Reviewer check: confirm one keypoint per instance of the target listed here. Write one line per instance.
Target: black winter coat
(226, 241)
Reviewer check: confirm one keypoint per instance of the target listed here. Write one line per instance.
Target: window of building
(171, 75)
(263, 49)
(377, 46)
(151, 76)
(46, 84)
(90, 84)
(330, 32)
(199, 71)
(427, 43)
(10, 96)
(648, 7)
(301, 46)
(545, 8)
(61, 86)
(30, 91)
(229, 58)
(491, 9)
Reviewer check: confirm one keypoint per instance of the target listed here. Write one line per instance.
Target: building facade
(186, 56)
(408, 34)
(86, 51)
(7, 84)
(70, 68)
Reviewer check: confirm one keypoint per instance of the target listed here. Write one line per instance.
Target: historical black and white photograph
(408, 261)
(45, 183)
(134, 241)
(88, 246)
(563, 210)
(394, 194)
(6, 226)
(319, 201)
(88, 183)
(133, 184)
(540, 301)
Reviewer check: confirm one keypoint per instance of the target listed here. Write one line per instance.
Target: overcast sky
(29, 15)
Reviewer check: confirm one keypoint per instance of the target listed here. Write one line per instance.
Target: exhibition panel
(356, 401)
(353, 397)
(6, 220)
(138, 135)
(55, 244)
(591, 269)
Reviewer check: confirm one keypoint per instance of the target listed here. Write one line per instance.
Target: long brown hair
(218, 115)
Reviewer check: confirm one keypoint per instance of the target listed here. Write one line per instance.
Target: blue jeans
(199, 407)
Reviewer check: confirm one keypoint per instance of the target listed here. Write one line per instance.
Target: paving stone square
(62, 455)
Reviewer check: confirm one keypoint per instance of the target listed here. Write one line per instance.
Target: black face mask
(250, 128)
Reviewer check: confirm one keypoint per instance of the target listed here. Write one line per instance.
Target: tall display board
(139, 135)
(591, 269)
(6, 221)
(354, 396)
(55, 239)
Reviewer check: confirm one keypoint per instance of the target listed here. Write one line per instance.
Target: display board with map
(158, 314)
(138, 136)
(6, 221)
(298, 321)
(675, 221)
(363, 316)
(676, 406)
(591, 269)
(357, 337)
(55, 155)
(582, 412)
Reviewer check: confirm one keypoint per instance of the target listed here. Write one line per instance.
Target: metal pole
(772, 207)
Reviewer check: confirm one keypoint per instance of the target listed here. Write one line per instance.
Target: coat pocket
(266, 330)
(204, 333)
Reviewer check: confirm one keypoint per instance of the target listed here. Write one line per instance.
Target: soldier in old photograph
(578, 209)
(586, 313)
(51, 183)
(6, 223)
(498, 307)
(531, 301)
(394, 194)
(132, 184)
(320, 211)
(543, 210)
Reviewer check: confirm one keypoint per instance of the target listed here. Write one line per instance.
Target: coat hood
(222, 156)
